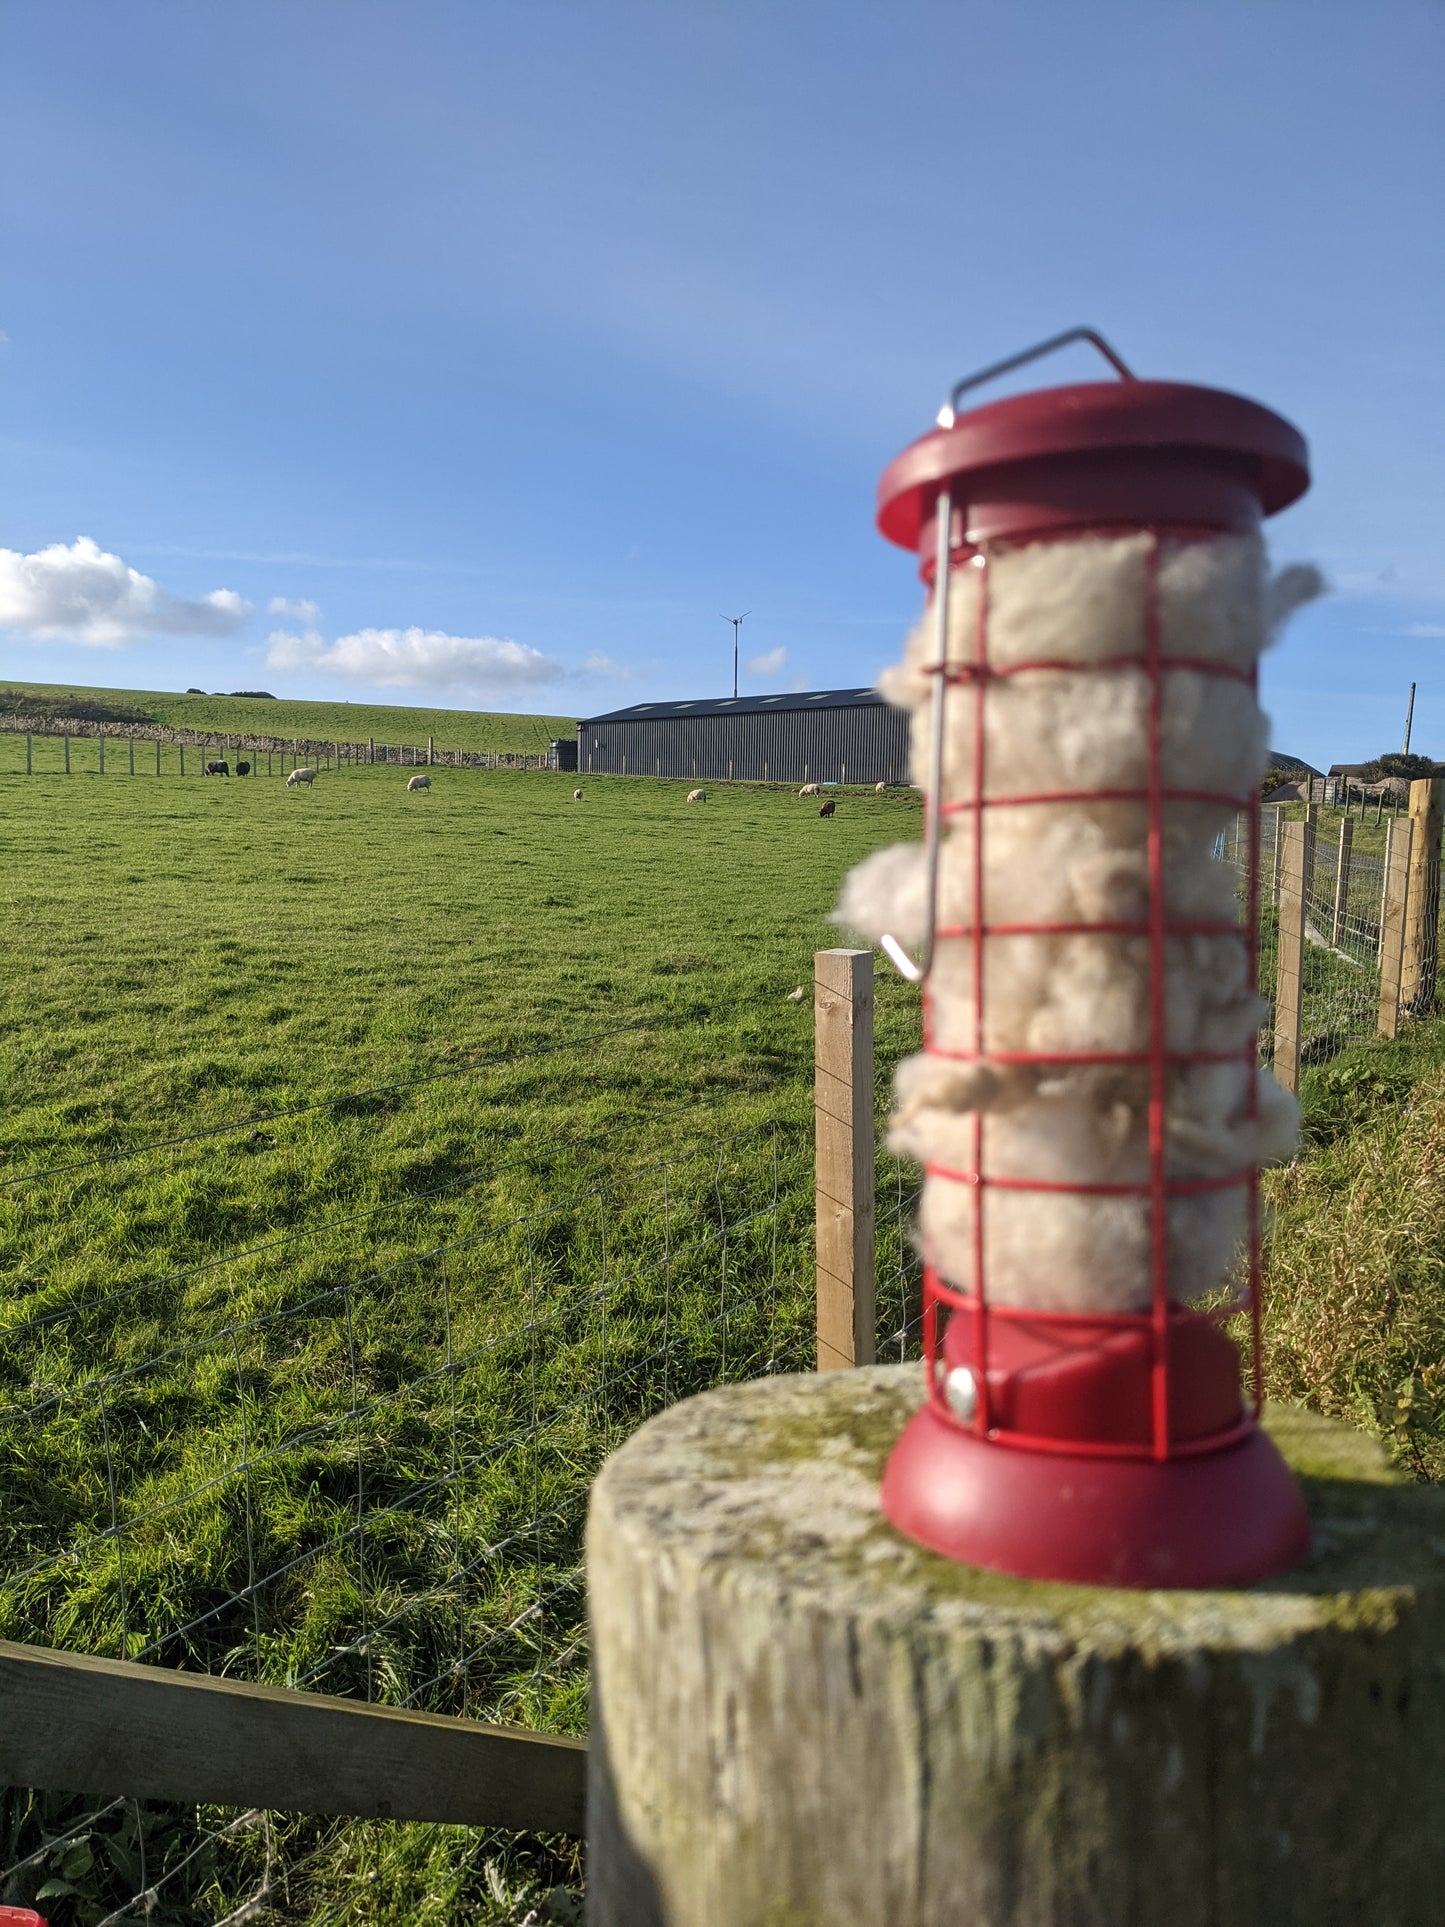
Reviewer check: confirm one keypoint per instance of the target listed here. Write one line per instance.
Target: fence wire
(278, 1466)
(1344, 924)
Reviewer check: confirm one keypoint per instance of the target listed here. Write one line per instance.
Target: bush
(1396, 763)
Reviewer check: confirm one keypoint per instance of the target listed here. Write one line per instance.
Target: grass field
(509, 1108)
(479, 1126)
(327, 722)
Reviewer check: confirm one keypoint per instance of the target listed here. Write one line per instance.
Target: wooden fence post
(67, 755)
(1394, 904)
(28, 770)
(1289, 959)
(843, 1124)
(1278, 850)
(1422, 915)
(132, 755)
(158, 755)
(1342, 880)
(100, 739)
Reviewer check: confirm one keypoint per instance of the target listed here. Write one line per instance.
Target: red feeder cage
(1102, 1448)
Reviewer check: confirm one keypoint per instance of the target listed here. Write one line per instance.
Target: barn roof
(741, 706)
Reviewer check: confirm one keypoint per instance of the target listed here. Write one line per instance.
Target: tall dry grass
(1355, 1268)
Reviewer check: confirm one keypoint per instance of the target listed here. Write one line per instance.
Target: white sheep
(307, 776)
(963, 1106)
(879, 788)
(576, 796)
(418, 783)
(697, 796)
(809, 789)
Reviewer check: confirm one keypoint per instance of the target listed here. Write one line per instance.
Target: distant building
(562, 754)
(829, 736)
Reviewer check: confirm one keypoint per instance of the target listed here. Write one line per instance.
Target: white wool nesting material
(1081, 603)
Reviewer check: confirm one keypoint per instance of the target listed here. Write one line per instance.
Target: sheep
(961, 1112)
(216, 769)
(879, 789)
(243, 769)
(306, 776)
(697, 796)
(576, 796)
(808, 789)
(418, 783)
(828, 808)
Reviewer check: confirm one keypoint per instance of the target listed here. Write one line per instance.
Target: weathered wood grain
(800, 1717)
(69, 1723)
(843, 1132)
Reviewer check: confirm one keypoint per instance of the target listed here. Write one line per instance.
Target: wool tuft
(1072, 606)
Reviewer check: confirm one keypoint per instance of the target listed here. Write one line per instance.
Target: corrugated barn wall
(836, 736)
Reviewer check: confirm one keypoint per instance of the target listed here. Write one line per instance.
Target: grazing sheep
(243, 769)
(418, 783)
(697, 796)
(879, 788)
(216, 769)
(307, 776)
(576, 796)
(808, 789)
(828, 808)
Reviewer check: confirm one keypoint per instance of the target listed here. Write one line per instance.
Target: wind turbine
(737, 623)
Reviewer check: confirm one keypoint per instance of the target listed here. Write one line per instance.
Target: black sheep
(243, 769)
(218, 769)
(828, 808)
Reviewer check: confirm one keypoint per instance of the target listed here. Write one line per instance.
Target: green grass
(327, 722)
(184, 958)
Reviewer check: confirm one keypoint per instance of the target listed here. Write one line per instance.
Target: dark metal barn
(833, 736)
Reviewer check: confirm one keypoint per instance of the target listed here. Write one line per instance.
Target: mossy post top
(778, 1481)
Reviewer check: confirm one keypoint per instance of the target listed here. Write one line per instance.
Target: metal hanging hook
(1091, 335)
(933, 801)
(933, 819)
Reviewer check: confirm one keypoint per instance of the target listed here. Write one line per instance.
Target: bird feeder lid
(1100, 452)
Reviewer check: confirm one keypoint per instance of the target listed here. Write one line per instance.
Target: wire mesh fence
(1344, 907)
(900, 1265)
(281, 1465)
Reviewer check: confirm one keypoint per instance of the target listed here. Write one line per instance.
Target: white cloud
(599, 663)
(415, 659)
(304, 611)
(83, 594)
(772, 663)
(1426, 629)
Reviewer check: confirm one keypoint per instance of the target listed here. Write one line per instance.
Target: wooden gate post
(1422, 914)
(843, 1125)
(1290, 954)
(1395, 902)
(1342, 880)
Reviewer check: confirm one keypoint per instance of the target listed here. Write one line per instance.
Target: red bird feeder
(1073, 1433)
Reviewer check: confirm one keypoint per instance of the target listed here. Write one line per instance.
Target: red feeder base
(1222, 1518)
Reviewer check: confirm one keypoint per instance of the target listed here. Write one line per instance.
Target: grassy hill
(256, 716)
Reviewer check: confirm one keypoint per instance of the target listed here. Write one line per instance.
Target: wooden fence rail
(73, 1724)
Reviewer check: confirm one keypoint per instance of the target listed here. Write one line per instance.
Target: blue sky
(509, 346)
